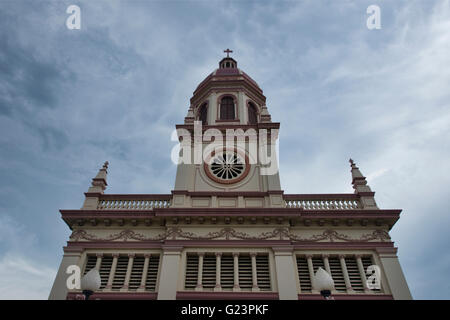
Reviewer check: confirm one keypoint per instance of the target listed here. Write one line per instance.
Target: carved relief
(228, 233)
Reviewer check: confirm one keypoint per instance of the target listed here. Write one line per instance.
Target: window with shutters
(337, 273)
(191, 276)
(227, 272)
(353, 274)
(90, 263)
(263, 272)
(252, 113)
(121, 271)
(203, 114)
(366, 262)
(227, 281)
(105, 268)
(135, 273)
(303, 274)
(209, 271)
(245, 272)
(227, 111)
(152, 273)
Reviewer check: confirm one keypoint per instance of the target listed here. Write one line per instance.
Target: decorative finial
(105, 165)
(228, 51)
(361, 188)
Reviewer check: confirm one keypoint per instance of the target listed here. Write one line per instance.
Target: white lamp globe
(323, 280)
(91, 281)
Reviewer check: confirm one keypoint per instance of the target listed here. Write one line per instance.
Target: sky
(114, 90)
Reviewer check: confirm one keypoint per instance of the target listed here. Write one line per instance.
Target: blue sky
(114, 90)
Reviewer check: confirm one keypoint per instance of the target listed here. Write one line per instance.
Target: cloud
(23, 275)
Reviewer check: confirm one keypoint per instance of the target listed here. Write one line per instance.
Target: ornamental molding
(176, 233)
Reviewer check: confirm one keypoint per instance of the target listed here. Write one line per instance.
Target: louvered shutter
(303, 274)
(353, 274)
(368, 261)
(136, 272)
(152, 273)
(337, 275)
(191, 278)
(209, 271)
(245, 272)
(105, 269)
(90, 263)
(121, 270)
(227, 271)
(263, 273)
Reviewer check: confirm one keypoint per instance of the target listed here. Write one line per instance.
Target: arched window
(252, 114)
(227, 108)
(203, 114)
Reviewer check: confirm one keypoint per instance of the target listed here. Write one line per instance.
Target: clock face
(227, 166)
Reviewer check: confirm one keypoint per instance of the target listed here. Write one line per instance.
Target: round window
(227, 167)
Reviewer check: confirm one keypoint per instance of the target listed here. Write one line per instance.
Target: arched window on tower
(252, 114)
(227, 109)
(203, 114)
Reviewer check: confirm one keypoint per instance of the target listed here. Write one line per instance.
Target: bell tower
(227, 230)
(229, 124)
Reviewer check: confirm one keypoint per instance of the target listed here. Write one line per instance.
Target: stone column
(71, 257)
(199, 286)
(128, 274)
(236, 271)
(348, 284)
(144, 272)
(362, 272)
(326, 263)
(285, 273)
(218, 286)
(311, 272)
(98, 263)
(254, 272)
(169, 273)
(112, 272)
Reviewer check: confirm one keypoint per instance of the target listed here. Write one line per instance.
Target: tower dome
(228, 96)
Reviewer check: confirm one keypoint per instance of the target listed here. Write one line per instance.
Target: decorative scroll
(228, 233)
(123, 235)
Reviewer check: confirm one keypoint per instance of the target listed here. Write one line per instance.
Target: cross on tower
(228, 51)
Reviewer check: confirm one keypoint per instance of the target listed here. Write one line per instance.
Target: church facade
(227, 230)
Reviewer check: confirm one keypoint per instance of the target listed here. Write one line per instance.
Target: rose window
(227, 167)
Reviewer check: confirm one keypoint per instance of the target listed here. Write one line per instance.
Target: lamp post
(90, 283)
(324, 283)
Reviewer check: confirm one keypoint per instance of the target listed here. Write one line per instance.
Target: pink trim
(347, 297)
(306, 245)
(113, 245)
(260, 125)
(135, 196)
(252, 194)
(183, 295)
(116, 296)
(327, 196)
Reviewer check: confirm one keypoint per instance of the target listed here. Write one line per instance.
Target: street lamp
(90, 282)
(324, 283)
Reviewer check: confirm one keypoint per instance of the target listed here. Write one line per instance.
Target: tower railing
(158, 201)
(323, 201)
(134, 202)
